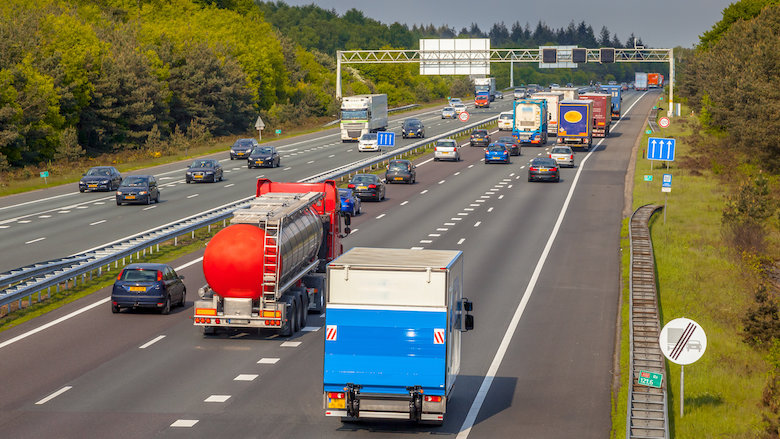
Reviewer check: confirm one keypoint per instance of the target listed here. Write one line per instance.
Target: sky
(660, 23)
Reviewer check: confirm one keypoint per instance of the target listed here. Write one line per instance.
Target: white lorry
(487, 85)
(553, 99)
(362, 114)
(569, 93)
(393, 333)
(640, 81)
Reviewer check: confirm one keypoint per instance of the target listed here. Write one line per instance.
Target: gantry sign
(541, 55)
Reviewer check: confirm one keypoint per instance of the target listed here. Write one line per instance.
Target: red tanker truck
(267, 268)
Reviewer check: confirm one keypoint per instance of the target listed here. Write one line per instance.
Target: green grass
(168, 252)
(702, 279)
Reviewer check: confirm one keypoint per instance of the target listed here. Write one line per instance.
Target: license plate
(560, 158)
(92, 185)
(141, 289)
(543, 169)
(398, 178)
(130, 197)
(336, 403)
(238, 321)
(198, 176)
(362, 187)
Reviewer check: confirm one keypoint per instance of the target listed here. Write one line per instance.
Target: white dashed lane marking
(97, 222)
(192, 196)
(229, 185)
(217, 398)
(44, 216)
(425, 241)
(381, 216)
(500, 197)
(476, 224)
(150, 207)
(151, 342)
(184, 423)
(490, 210)
(425, 191)
(24, 221)
(404, 203)
(311, 329)
(268, 361)
(35, 240)
(291, 344)
(245, 377)
(54, 395)
(460, 241)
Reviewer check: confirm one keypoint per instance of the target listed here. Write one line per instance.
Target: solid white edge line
(479, 399)
(151, 342)
(77, 312)
(54, 395)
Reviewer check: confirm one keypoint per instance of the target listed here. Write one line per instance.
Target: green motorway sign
(648, 132)
(650, 379)
(648, 178)
(44, 174)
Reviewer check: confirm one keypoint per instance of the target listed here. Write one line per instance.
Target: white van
(505, 121)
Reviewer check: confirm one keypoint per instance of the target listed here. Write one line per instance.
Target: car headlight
(209, 172)
(233, 151)
(119, 192)
(104, 181)
(142, 193)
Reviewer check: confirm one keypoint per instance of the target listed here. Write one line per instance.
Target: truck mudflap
(415, 405)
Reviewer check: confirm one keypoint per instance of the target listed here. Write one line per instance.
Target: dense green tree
(740, 10)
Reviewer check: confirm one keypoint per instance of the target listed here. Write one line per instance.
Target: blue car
(349, 202)
(155, 286)
(497, 152)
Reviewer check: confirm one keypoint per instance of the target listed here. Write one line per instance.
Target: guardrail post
(175, 241)
(193, 234)
(158, 247)
(209, 228)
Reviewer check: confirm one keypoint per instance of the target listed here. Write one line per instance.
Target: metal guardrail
(647, 414)
(27, 281)
(651, 120)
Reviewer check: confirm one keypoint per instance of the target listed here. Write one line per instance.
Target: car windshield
(448, 109)
(561, 151)
(460, 106)
(138, 275)
(454, 100)
(543, 162)
(368, 136)
(398, 165)
(263, 150)
(345, 193)
(202, 164)
(99, 172)
(244, 142)
(505, 116)
(412, 123)
(446, 143)
(479, 133)
(507, 140)
(496, 147)
(364, 179)
(134, 181)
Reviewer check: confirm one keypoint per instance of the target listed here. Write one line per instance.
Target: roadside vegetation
(718, 249)
(86, 82)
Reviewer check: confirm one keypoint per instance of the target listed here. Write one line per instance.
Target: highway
(541, 266)
(60, 221)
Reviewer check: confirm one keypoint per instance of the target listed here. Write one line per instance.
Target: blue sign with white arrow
(659, 148)
(385, 138)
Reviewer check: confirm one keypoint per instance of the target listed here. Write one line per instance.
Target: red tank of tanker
(234, 259)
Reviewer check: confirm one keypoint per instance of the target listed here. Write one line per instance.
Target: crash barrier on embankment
(647, 414)
(21, 284)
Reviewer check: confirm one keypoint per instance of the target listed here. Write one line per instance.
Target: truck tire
(288, 329)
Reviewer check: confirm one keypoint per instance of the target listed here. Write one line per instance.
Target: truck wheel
(304, 314)
(296, 326)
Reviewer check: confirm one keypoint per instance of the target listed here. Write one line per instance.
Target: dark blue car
(100, 178)
(349, 202)
(155, 286)
(138, 189)
(497, 152)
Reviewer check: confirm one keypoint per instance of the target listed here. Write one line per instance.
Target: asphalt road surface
(541, 266)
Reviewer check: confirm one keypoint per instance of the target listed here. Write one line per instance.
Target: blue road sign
(659, 148)
(667, 181)
(385, 138)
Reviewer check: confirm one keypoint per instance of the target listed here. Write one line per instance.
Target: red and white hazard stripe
(330, 332)
(438, 336)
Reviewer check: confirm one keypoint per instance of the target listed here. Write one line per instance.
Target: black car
(100, 178)
(512, 143)
(263, 156)
(480, 138)
(154, 286)
(204, 170)
(367, 186)
(400, 171)
(543, 168)
(412, 128)
(138, 189)
(242, 148)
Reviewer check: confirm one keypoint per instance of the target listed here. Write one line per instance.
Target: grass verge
(702, 279)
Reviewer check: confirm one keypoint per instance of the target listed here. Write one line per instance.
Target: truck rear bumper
(386, 406)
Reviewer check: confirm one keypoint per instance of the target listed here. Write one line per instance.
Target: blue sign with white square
(385, 138)
(659, 148)
(667, 181)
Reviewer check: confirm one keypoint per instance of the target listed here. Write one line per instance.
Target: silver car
(446, 149)
(563, 155)
(368, 142)
(448, 113)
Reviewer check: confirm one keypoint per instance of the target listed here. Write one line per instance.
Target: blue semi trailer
(393, 333)
(617, 92)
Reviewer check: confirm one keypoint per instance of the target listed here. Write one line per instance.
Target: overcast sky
(660, 23)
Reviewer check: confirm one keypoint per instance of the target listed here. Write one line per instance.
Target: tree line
(86, 77)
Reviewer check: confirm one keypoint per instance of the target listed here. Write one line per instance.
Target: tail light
(336, 395)
(372, 186)
(554, 169)
(431, 398)
(532, 168)
(119, 276)
(571, 157)
(159, 275)
(351, 186)
(549, 155)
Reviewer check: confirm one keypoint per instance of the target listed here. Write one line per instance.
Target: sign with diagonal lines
(683, 341)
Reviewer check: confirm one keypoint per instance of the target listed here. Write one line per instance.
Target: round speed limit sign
(464, 116)
(663, 122)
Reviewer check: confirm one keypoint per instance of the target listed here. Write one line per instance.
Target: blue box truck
(617, 97)
(393, 333)
(575, 123)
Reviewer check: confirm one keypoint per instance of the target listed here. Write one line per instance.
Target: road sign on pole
(385, 138)
(259, 125)
(464, 116)
(666, 183)
(682, 341)
(663, 122)
(659, 148)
